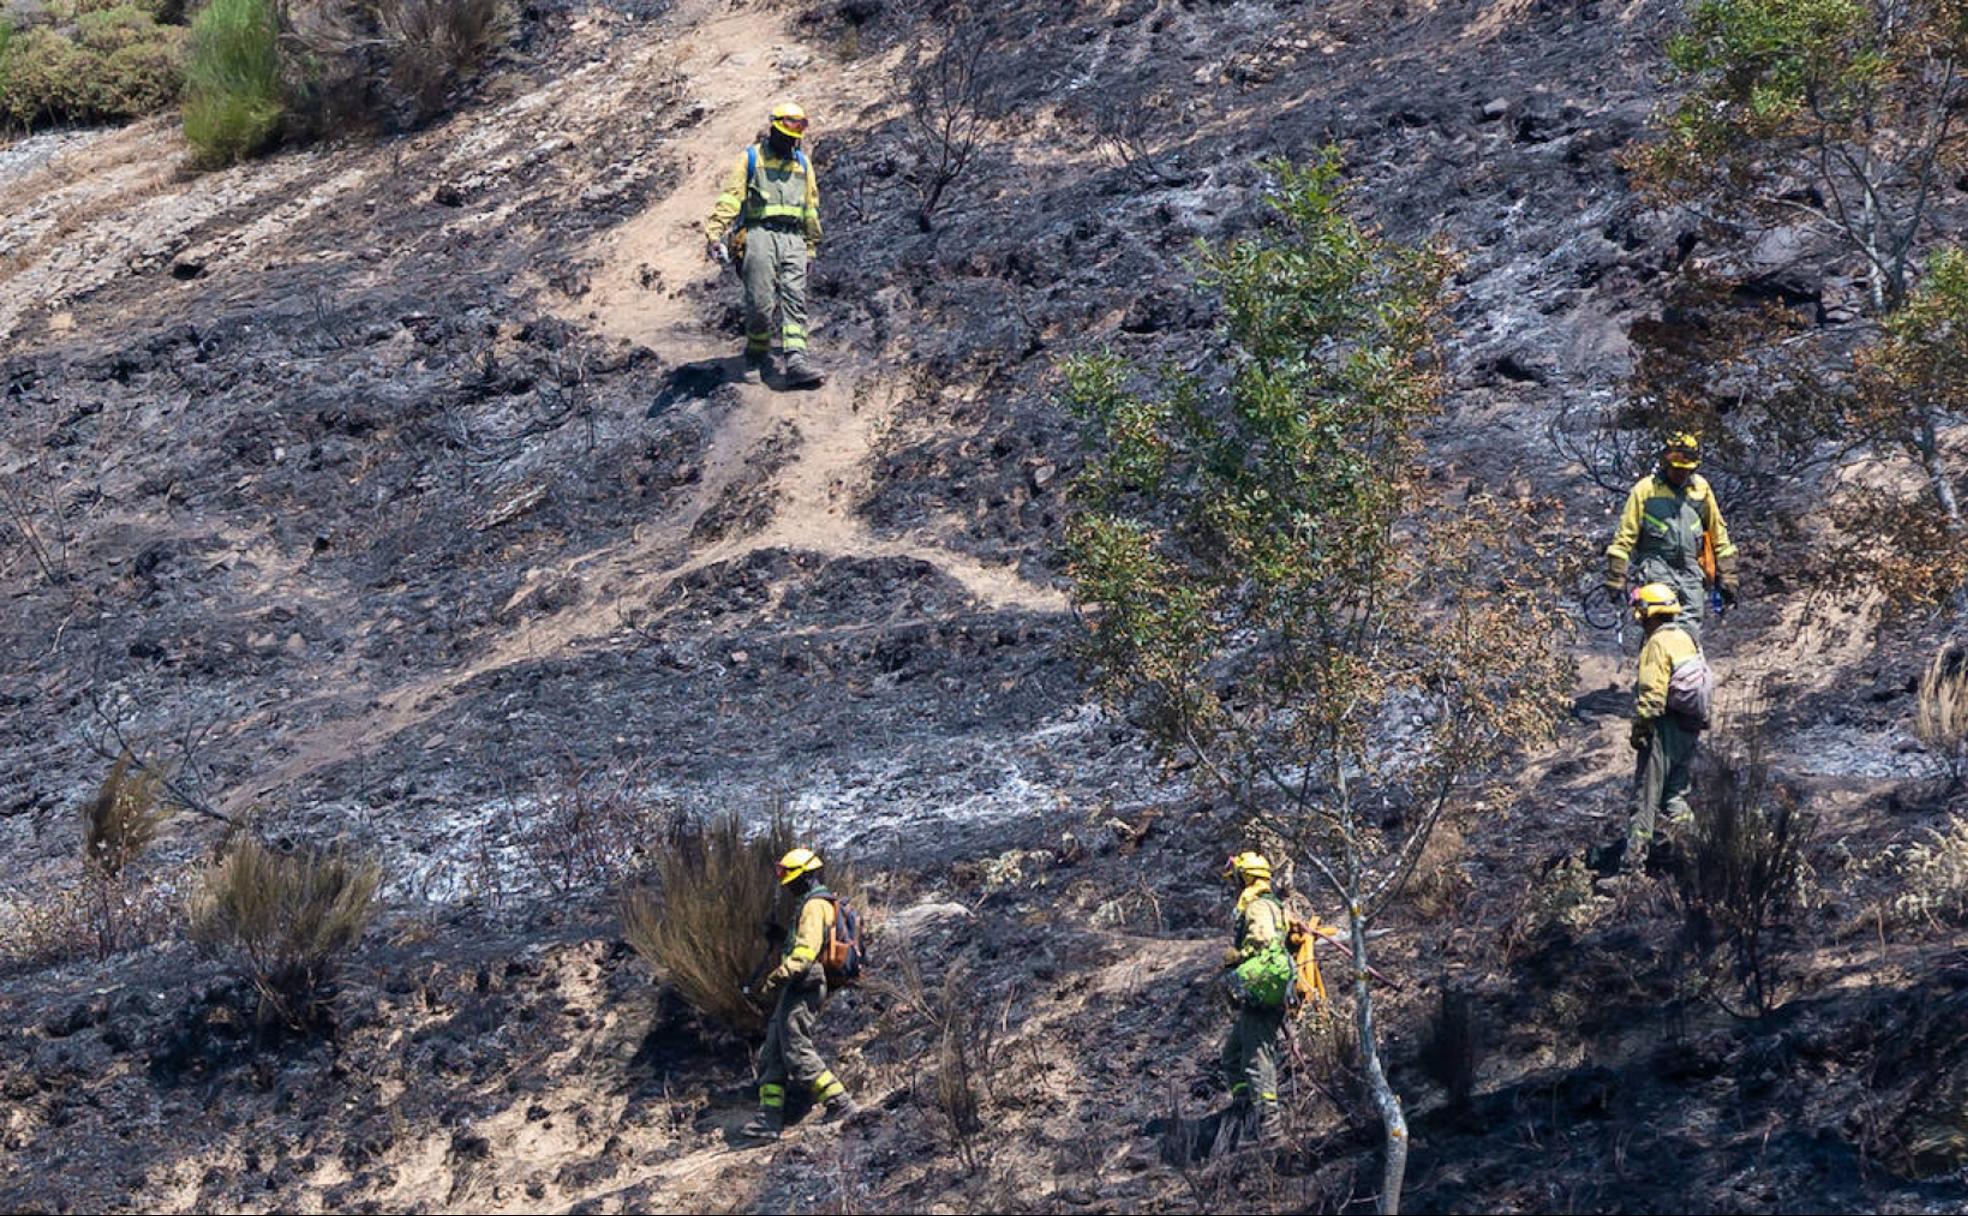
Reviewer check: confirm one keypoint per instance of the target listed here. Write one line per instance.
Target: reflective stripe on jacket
(782, 189)
(811, 928)
(1665, 523)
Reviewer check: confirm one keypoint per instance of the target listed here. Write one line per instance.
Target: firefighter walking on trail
(1260, 973)
(770, 208)
(1671, 532)
(1671, 709)
(800, 981)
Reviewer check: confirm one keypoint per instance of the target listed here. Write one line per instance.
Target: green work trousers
(775, 278)
(1661, 775)
(1250, 1054)
(789, 1053)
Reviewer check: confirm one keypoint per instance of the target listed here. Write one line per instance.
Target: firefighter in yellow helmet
(1250, 1054)
(1659, 539)
(771, 204)
(1663, 737)
(801, 984)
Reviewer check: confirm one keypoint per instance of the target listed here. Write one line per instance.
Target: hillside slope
(389, 486)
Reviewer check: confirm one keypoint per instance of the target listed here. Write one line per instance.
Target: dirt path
(722, 57)
(719, 54)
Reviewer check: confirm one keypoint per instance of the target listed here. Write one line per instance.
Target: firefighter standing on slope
(1664, 738)
(1250, 1054)
(771, 198)
(801, 983)
(1668, 514)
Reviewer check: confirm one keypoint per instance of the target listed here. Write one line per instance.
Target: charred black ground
(378, 513)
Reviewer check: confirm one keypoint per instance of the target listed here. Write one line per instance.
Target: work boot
(800, 373)
(754, 369)
(842, 1109)
(765, 1125)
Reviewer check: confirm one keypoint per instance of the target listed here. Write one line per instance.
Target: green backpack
(1264, 980)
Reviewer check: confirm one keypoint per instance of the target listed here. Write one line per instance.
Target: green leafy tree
(1911, 387)
(1844, 118)
(1279, 595)
(1843, 115)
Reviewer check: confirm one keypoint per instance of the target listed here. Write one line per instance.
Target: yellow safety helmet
(797, 865)
(1655, 599)
(1247, 866)
(1683, 450)
(789, 120)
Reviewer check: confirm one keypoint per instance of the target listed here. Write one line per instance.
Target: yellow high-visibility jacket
(778, 191)
(1260, 921)
(816, 921)
(1667, 648)
(1661, 521)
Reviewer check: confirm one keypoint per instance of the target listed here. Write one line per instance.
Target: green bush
(233, 98)
(111, 64)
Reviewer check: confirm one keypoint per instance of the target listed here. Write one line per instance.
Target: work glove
(1616, 580)
(1725, 580)
(1232, 957)
(1642, 734)
(716, 251)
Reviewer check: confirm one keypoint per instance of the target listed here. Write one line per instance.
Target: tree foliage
(1844, 115)
(1276, 589)
(1844, 119)
(1911, 389)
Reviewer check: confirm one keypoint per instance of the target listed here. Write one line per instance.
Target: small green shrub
(713, 909)
(6, 44)
(233, 98)
(111, 64)
(285, 920)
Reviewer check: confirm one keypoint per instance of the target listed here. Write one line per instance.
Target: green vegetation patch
(233, 97)
(89, 64)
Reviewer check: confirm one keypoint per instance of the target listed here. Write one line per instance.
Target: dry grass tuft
(1439, 886)
(1935, 873)
(1941, 714)
(286, 920)
(122, 819)
(108, 908)
(712, 909)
